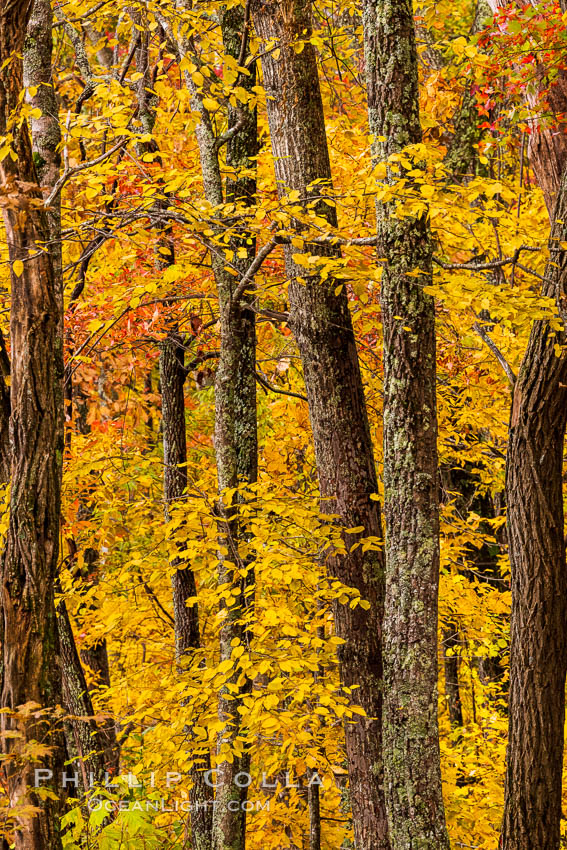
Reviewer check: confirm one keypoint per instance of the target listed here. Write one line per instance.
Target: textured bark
(186, 618)
(314, 817)
(321, 322)
(5, 454)
(172, 379)
(83, 739)
(235, 409)
(538, 652)
(29, 566)
(45, 130)
(410, 729)
(95, 656)
(236, 442)
(532, 807)
(85, 744)
(462, 155)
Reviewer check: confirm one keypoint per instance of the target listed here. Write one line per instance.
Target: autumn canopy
(283, 398)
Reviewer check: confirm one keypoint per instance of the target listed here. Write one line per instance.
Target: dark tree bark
(85, 744)
(5, 454)
(314, 799)
(534, 496)
(538, 653)
(186, 617)
(236, 441)
(94, 656)
(321, 322)
(29, 565)
(85, 741)
(452, 689)
(172, 380)
(410, 729)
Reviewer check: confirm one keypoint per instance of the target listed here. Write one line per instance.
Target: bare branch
(490, 265)
(229, 134)
(267, 386)
(70, 172)
(485, 337)
(248, 277)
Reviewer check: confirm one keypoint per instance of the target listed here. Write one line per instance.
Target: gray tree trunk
(236, 442)
(410, 728)
(235, 409)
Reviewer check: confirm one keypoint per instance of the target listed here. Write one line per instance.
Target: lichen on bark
(410, 728)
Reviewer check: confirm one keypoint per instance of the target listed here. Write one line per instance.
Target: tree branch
(485, 337)
(491, 264)
(248, 277)
(267, 386)
(70, 172)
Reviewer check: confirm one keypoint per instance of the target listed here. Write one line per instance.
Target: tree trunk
(172, 381)
(452, 687)
(235, 413)
(45, 129)
(85, 741)
(314, 817)
(236, 444)
(186, 618)
(95, 655)
(321, 322)
(85, 744)
(538, 652)
(29, 565)
(462, 159)
(534, 496)
(5, 453)
(410, 729)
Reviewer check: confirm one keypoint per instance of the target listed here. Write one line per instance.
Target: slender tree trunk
(29, 566)
(410, 729)
(85, 744)
(186, 617)
(5, 454)
(235, 417)
(172, 381)
(452, 686)
(45, 128)
(314, 799)
(321, 322)
(236, 444)
(462, 154)
(538, 653)
(94, 656)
